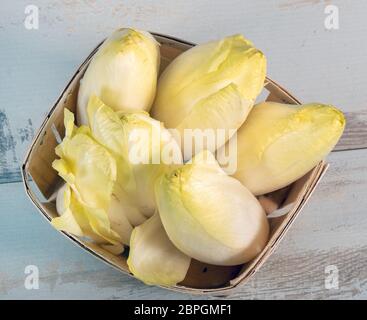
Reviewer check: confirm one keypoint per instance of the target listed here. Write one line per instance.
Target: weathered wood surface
(355, 134)
(313, 63)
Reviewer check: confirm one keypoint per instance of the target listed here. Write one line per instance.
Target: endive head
(123, 73)
(90, 174)
(80, 220)
(280, 143)
(142, 148)
(202, 72)
(153, 258)
(85, 165)
(210, 216)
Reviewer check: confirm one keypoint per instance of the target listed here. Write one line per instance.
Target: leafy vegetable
(209, 215)
(153, 258)
(123, 73)
(280, 143)
(138, 144)
(211, 86)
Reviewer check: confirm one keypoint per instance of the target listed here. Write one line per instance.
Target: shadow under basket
(41, 182)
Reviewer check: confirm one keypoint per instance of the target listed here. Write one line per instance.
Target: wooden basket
(41, 181)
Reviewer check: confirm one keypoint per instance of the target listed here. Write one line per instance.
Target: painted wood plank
(330, 231)
(355, 134)
(303, 276)
(314, 63)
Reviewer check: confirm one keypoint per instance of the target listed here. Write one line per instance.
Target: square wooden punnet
(41, 181)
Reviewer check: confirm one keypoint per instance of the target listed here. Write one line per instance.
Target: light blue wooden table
(314, 63)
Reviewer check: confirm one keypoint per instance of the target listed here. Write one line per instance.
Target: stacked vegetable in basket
(133, 181)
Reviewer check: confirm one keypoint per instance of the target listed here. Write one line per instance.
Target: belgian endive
(90, 173)
(209, 215)
(153, 258)
(211, 86)
(123, 73)
(142, 148)
(110, 231)
(279, 143)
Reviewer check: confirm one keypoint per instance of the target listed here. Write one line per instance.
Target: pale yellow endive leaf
(210, 216)
(153, 258)
(222, 111)
(80, 220)
(123, 73)
(217, 79)
(86, 166)
(85, 201)
(280, 143)
(136, 142)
